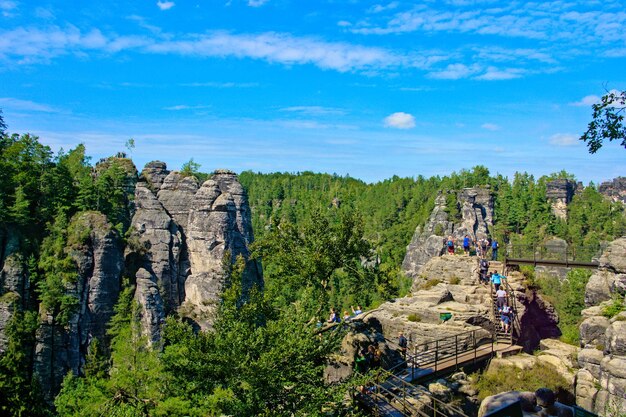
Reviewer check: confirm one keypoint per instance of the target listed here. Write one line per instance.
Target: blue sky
(366, 88)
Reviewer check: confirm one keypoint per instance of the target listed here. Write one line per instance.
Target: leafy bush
(504, 378)
(613, 309)
(414, 318)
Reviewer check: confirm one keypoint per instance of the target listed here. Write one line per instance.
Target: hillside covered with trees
(324, 241)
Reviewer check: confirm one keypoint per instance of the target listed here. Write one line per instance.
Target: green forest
(324, 241)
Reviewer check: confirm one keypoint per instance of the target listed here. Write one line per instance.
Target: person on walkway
(484, 245)
(346, 315)
(450, 245)
(404, 344)
(500, 298)
(466, 244)
(483, 269)
(494, 250)
(496, 280)
(505, 317)
(358, 310)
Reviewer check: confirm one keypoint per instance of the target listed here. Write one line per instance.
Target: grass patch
(431, 283)
(415, 318)
(511, 378)
(455, 280)
(613, 309)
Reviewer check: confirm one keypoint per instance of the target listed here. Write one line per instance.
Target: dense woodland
(325, 240)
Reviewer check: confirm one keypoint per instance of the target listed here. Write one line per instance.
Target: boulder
(598, 287)
(614, 256)
(559, 193)
(614, 189)
(586, 390)
(154, 173)
(590, 360)
(592, 331)
(616, 338)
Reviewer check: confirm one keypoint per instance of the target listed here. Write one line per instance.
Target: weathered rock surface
(560, 193)
(154, 173)
(475, 206)
(615, 189)
(601, 382)
(99, 262)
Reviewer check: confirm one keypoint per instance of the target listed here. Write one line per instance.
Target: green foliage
(503, 378)
(20, 394)
(607, 122)
(613, 309)
(568, 298)
(414, 317)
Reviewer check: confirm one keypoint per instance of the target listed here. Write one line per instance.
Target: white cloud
(9, 103)
(165, 5)
(256, 3)
(453, 72)
(586, 101)
(377, 8)
(563, 139)
(186, 107)
(314, 110)
(28, 45)
(7, 8)
(400, 120)
(490, 126)
(495, 74)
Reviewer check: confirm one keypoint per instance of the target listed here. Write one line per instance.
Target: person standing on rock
(466, 244)
(484, 268)
(505, 317)
(450, 245)
(494, 250)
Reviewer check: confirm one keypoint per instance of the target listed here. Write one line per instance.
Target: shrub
(613, 309)
(455, 280)
(431, 283)
(438, 230)
(414, 317)
(505, 378)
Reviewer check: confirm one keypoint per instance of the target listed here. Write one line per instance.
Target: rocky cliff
(601, 381)
(615, 189)
(559, 193)
(182, 233)
(475, 218)
(99, 264)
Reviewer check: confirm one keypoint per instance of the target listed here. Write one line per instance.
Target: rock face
(475, 206)
(14, 281)
(601, 381)
(99, 263)
(560, 193)
(616, 189)
(182, 235)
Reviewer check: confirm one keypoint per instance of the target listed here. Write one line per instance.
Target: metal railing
(400, 395)
(562, 255)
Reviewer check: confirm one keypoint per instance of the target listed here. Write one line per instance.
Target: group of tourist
(482, 246)
(369, 357)
(335, 317)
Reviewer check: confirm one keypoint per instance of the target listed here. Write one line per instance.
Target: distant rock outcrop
(559, 193)
(601, 380)
(615, 189)
(475, 218)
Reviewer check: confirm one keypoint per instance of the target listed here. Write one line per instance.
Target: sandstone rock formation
(601, 380)
(615, 189)
(182, 233)
(475, 206)
(99, 260)
(559, 193)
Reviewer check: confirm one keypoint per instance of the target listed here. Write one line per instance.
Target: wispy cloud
(590, 100)
(256, 3)
(186, 107)
(490, 126)
(214, 84)
(165, 5)
(563, 139)
(378, 8)
(454, 72)
(400, 120)
(28, 45)
(314, 110)
(7, 8)
(10, 103)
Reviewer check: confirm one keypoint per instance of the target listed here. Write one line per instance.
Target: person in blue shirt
(496, 280)
(494, 250)
(466, 244)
